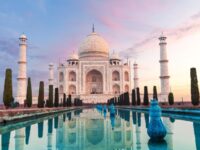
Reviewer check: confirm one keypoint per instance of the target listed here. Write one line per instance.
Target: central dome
(93, 46)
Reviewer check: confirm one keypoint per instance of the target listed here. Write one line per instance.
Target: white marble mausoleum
(94, 74)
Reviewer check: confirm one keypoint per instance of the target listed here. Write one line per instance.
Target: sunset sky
(131, 27)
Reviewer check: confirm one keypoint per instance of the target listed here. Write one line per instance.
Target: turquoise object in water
(112, 121)
(156, 129)
(112, 110)
(105, 109)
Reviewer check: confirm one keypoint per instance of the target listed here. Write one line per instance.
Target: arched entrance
(94, 82)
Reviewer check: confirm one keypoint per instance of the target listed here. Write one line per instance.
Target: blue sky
(131, 27)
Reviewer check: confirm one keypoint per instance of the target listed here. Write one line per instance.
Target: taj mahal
(93, 74)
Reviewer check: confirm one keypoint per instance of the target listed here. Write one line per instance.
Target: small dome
(50, 64)
(23, 36)
(73, 56)
(93, 46)
(115, 56)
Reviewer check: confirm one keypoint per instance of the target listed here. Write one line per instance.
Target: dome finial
(93, 29)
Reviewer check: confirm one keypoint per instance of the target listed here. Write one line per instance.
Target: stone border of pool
(182, 114)
(166, 110)
(25, 115)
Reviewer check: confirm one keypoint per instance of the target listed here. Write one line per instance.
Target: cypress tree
(123, 102)
(29, 93)
(50, 100)
(8, 93)
(155, 96)
(64, 100)
(70, 100)
(56, 103)
(41, 95)
(171, 98)
(126, 98)
(133, 97)
(146, 97)
(194, 87)
(121, 99)
(138, 96)
(75, 102)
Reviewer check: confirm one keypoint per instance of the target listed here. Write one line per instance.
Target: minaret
(51, 74)
(136, 78)
(22, 77)
(164, 76)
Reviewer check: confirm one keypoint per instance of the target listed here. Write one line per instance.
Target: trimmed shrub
(69, 100)
(171, 98)
(41, 95)
(146, 96)
(155, 95)
(138, 96)
(133, 97)
(194, 87)
(29, 93)
(126, 98)
(64, 100)
(8, 92)
(50, 98)
(56, 100)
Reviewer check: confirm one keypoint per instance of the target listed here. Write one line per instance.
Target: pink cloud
(190, 26)
(115, 14)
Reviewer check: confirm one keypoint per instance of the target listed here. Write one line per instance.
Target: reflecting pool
(90, 129)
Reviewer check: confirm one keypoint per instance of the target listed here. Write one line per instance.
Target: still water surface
(89, 129)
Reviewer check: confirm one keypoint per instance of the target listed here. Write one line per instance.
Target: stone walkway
(15, 115)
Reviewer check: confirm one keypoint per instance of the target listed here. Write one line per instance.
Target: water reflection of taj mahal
(86, 134)
(86, 130)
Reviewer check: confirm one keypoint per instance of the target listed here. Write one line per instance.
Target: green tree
(126, 98)
(69, 100)
(146, 96)
(56, 100)
(64, 100)
(171, 98)
(8, 93)
(138, 96)
(29, 93)
(41, 95)
(155, 95)
(194, 87)
(133, 97)
(50, 99)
